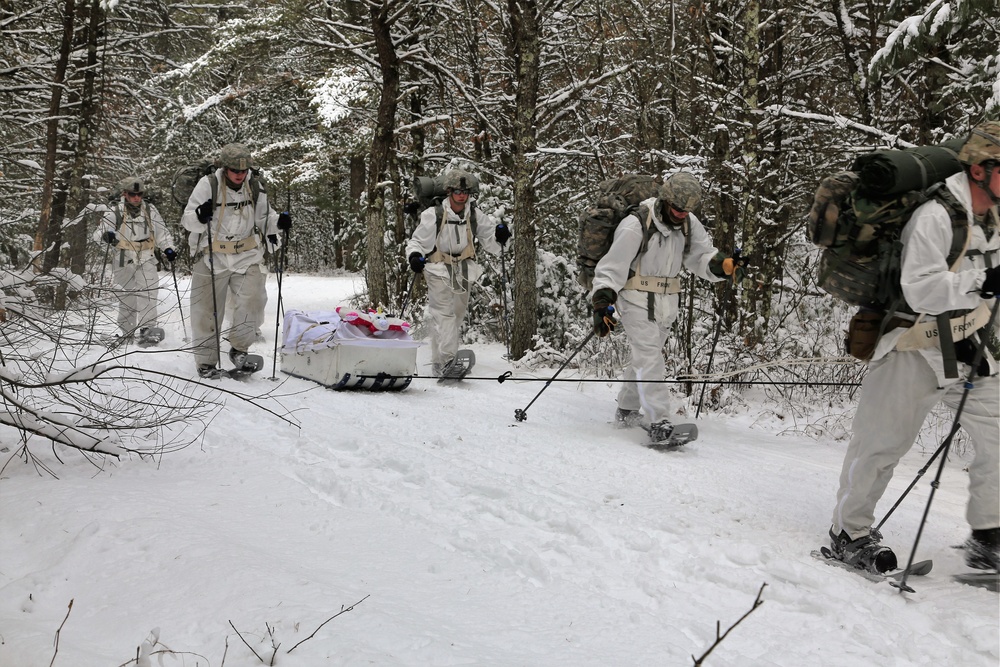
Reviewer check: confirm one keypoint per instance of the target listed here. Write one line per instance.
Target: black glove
(991, 286)
(411, 208)
(170, 254)
(417, 262)
(273, 239)
(502, 233)
(284, 221)
(204, 212)
(604, 310)
(109, 238)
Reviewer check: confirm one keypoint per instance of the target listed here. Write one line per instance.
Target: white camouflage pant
(137, 292)
(896, 395)
(446, 307)
(645, 340)
(249, 296)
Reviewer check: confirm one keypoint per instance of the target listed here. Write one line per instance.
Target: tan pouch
(862, 334)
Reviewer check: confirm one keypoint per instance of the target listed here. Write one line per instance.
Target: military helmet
(456, 179)
(982, 145)
(235, 156)
(133, 185)
(681, 191)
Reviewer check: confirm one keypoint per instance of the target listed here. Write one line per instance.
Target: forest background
(345, 102)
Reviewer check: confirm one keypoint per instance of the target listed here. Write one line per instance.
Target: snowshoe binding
(150, 336)
(865, 553)
(244, 364)
(664, 436)
(456, 369)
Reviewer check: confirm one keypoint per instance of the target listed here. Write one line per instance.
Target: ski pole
(503, 296)
(711, 356)
(901, 585)
(920, 473)
(177, 291)
(215, 302)
(277, 316)
(406, 299)
(522, 414)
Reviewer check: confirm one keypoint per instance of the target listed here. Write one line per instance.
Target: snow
(455, 535)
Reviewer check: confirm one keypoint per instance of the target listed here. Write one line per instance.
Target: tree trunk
(525, 48)
(47, 234)
(375, 266)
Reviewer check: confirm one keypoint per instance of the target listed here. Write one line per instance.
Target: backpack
(429, 191)
(857, 217)
(187, 177)
(617, 199)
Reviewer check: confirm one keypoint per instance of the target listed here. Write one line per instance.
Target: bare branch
(718, 638)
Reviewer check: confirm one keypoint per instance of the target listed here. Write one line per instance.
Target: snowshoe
(918, 569)
(665, 436)
(249, 364)
(150, 336)
(459, 367)
(988, 580)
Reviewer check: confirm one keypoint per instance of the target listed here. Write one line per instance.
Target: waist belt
(448, 258)
(231, 247)
(135, 246)
(655, 284)
(922, 335)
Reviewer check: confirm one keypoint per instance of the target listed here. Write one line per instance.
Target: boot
(982, 549)
(864, 553)
(627, 418)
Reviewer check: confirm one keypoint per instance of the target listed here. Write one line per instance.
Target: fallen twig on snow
(56, 652)
(718, 638)
(342, 611)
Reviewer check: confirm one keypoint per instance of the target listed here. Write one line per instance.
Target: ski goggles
(461, 191)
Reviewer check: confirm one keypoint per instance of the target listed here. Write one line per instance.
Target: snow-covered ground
(463, 537)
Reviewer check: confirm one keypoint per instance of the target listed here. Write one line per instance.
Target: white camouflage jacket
(664, 257)
(928, 284)
(235, 218)
(135, 229)
(453, 237)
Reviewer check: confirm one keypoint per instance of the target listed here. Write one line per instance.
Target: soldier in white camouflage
(906, 377)
(132, 228)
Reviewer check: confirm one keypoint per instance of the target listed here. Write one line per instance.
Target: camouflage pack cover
(982, 145)
(859, 234)
(682, 191)
(617, 199)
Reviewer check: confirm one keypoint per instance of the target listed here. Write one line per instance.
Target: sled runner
(349, 349)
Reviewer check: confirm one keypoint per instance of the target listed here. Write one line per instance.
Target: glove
(411, 208)
(170, 255)
(109, 238)
(604, 321)
(284, 221)
(273, 239)
(417, 262)
(204, 212)
(724, 266)
(991, 285)
(502, 234)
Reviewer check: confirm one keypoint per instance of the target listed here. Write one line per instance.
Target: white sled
(357, 351)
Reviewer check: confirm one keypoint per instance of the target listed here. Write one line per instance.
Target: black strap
(948, 355)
